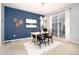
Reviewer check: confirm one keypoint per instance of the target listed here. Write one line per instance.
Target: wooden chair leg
(44, 42)
(33, 40)
(40, 44)
(48, 41)
(52, 40)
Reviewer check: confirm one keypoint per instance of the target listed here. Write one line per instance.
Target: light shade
(43, 17)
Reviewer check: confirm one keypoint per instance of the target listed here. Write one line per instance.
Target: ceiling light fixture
(43, 17)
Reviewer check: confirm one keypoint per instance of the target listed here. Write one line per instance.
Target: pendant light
(43, 17)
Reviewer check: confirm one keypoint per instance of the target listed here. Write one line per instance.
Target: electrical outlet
(14, 35)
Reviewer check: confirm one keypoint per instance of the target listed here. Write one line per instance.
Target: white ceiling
(46, 9)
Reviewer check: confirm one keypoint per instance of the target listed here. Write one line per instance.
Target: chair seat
(49, 36)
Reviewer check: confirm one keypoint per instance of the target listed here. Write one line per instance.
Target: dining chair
(45, 35)
(34, 38)
(45, 29)
(50, 36)
(41, 39)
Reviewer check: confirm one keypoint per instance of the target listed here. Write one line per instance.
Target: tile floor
(17, 48)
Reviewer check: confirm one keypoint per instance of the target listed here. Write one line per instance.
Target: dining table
(36, 34)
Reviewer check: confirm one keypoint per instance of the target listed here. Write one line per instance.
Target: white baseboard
(76, 42)
(18, 39)
(73, 41)
(0, 43)
(30, 38)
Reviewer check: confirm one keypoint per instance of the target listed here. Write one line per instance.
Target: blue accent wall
(21, 31)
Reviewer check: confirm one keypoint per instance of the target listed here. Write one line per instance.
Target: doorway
(58, 25)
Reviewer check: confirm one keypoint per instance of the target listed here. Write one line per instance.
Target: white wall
(67, 23)
(74, 23)
(49, 22)
(0, 23)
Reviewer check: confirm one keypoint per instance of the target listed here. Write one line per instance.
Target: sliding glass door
(61, 23)
(58, 25)
(55, 26)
